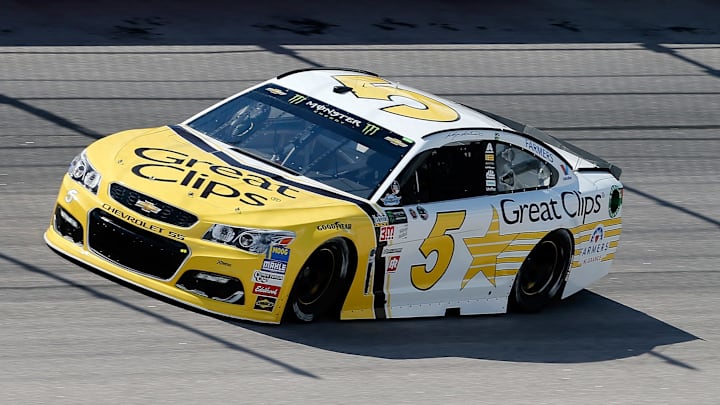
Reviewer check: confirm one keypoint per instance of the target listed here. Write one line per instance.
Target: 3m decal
(387, 233)
(440, 243)
(417, 106)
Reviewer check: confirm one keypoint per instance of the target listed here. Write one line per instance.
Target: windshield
(306, 137)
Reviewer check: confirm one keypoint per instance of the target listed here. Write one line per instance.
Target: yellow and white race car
(337, 193)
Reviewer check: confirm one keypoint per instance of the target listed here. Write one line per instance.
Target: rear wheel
(542, 273)
(319, 282)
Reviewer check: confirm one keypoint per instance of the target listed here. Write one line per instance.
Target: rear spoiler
(542, 137)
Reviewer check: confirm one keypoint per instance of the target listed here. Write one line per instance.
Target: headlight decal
(251, 240)
(84, 173)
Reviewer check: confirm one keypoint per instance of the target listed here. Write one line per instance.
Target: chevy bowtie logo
(148, 206)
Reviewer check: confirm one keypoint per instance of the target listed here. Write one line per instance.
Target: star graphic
(485, 250)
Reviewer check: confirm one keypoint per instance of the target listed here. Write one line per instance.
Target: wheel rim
(316, 276)
(540, 274)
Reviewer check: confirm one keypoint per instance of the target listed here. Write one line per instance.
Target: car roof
(322, 84)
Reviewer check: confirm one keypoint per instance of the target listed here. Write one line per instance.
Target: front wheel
(542, 273)
(319, 282)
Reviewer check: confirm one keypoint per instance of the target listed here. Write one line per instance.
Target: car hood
(187, 172)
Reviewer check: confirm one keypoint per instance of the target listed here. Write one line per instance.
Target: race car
(335, 193)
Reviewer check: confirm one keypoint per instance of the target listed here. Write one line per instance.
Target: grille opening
(151, 207)
(134, 247)
(212, 285)
(68, 226)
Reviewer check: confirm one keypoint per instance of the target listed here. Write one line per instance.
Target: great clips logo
(208, 179)
(572, 204)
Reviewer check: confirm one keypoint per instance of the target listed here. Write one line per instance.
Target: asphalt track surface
(644, 93)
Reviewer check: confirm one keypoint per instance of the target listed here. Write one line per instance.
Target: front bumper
(87, 228)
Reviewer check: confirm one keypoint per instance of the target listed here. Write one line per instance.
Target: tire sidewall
(536, 302)
(304, 313)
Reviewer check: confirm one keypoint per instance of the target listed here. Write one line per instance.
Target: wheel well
(571, 239)
(336, 307)
(558, 236)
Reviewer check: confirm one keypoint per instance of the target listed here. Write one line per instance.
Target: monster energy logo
(297, 99)
(370, 129)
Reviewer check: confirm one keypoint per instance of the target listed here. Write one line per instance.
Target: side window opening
(446, 173)
(517, 170)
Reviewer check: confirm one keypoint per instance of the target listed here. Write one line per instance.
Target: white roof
(320, 84)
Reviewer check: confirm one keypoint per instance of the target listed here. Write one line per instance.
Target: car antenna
(342, 89)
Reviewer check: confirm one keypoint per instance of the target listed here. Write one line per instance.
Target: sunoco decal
(264, 303)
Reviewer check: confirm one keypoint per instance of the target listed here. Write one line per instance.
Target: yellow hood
(212, 184)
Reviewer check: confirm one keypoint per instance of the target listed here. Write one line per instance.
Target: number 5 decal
(380, 89)
(442, 244)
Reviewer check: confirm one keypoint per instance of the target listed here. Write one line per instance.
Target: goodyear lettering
(175, 167)
(334, 226)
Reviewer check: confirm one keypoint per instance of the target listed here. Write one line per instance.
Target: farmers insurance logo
(596, 246)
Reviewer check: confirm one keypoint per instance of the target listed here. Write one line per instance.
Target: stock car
(338, 193)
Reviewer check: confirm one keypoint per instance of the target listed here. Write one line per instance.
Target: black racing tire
(319, 283)
(542, 275)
